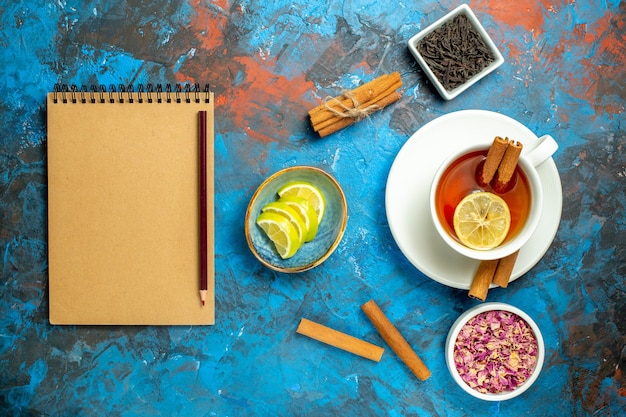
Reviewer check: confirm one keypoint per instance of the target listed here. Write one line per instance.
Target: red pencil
(203, 204)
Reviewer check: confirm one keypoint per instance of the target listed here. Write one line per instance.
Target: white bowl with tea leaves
(455, 52)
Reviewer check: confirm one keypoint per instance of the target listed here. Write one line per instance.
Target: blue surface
(270, 62)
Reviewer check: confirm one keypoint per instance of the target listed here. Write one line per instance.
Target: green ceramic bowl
(330, 231)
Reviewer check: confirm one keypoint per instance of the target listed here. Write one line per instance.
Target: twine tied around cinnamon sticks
(355, 112)
(497, 170)
(336, 113)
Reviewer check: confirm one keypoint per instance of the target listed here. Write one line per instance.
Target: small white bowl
(454, 332)
(413, 47)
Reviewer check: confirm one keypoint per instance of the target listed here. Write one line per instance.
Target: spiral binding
(186, 93)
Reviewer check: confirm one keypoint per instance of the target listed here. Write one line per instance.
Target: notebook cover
(123, 213)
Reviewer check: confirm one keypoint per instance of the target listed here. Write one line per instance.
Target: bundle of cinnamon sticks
(336, 113)
(497, 170)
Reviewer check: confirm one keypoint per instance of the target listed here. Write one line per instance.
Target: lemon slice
(307, 213)
(482, 220)
(291, 214)
(307, 191)
(281, 232)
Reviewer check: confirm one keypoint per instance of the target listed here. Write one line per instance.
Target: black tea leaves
(455, 52)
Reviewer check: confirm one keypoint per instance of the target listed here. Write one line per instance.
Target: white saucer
(408, 188)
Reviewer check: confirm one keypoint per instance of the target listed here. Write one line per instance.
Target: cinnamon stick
(503, 272)
(395, 340)
(507, 166)
(482, 279)
(494, 156)
(339, 340)
(339, 112)
(336, 110)
(363, 93)
(345, 122)
(497, 271)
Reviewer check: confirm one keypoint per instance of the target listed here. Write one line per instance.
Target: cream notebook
(123, 206)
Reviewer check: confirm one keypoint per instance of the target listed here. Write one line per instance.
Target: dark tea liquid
(460, 179)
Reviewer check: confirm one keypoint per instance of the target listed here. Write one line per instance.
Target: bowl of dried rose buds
(494, 351)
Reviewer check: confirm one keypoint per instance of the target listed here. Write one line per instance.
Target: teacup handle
(544, 148)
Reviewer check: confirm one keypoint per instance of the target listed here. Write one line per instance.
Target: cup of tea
(457, 177)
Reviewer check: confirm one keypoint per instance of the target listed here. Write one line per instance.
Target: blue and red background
(269, 63)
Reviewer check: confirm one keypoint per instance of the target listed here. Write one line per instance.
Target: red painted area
(265, 122)
(208, 25)
(611, 38)
(524, 13)
(240, 80)
(223, 4)
(524, 16)
(604, 66)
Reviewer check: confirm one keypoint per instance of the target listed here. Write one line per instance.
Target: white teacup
(532, 155)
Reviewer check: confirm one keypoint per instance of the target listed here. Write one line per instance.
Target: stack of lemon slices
(294, 218)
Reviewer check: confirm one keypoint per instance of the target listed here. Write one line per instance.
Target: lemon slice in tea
(482, 220)
(307, 213)
(281, 232)
(307, 191)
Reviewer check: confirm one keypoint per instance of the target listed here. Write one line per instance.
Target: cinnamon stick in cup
(487, 270)
(395, 340)
(494, 156)
(507, 166)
